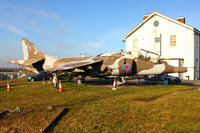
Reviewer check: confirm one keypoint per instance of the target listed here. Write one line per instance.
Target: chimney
(145, 16)
(181, 19)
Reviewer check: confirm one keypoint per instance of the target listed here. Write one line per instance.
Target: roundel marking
(126, 67)
(67, 65)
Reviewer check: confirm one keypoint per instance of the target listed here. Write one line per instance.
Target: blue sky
(66, 28)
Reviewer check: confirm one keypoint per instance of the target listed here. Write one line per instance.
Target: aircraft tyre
(80, 80)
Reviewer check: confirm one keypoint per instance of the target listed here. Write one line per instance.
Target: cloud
(60, 28)
(41, 12)
(51, 15)
(55, 17)
(12, 28)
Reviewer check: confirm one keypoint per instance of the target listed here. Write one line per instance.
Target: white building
(176, 42)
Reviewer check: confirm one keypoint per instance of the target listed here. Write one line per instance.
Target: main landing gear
(80, 80)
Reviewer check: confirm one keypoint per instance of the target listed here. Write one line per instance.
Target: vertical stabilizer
(29, 50)
(25, 51)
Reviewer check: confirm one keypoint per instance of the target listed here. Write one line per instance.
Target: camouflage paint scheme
(105, 65)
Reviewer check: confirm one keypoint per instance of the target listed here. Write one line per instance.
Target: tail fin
(33, 58)
(29, 50)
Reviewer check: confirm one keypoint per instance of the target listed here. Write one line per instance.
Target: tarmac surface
(191, 82)
(183, 82)
(133, 83)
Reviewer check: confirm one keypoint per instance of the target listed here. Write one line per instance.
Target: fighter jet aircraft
(102, 66)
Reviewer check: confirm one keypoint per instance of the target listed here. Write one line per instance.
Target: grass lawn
(97, 109)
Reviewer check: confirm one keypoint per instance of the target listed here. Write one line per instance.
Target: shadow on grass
(2, 114)
(55, 121)
(98, 82)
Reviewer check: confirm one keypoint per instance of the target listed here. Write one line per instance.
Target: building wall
(184, 49)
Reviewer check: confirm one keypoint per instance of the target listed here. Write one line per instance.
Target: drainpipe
(160, 44)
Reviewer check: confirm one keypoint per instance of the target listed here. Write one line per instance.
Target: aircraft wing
(81, 65)
(32, 61)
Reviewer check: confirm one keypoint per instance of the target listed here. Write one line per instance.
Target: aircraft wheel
(78, 81)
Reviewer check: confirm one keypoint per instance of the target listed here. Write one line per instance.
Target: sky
(67, 28)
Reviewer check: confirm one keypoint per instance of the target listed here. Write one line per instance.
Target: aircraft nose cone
(172, 69)
(180, 69)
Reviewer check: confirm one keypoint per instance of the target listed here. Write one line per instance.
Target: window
(157, 41)
(173, 40)
(135, 43)
(156, 23)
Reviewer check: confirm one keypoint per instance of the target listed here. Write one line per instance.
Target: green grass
(97, 109)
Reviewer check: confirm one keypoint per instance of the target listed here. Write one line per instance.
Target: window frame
(157, 42)
(173, 41)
